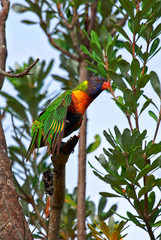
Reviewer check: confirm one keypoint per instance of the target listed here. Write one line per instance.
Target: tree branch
(121, 23)
(22, 74)
(53, 43)
(3, 50)
(57, 199)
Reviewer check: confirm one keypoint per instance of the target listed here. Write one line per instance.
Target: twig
(36, 225)
(121, 23)
(22, 74)
(3, 49)
(53, 43)
(4, 225)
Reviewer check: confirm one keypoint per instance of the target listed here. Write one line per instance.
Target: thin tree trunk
(57, 198)
(81, 208)
(12, 221)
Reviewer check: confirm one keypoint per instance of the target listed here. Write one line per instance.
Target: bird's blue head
(96, 85)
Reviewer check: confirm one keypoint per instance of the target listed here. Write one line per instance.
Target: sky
(24, 41)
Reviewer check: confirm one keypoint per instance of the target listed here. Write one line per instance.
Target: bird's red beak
(106, 85)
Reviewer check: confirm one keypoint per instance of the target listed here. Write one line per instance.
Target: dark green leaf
(156, 31)
(154, 45)
(130, 100)
(28, 22)
(124, 66)
(106, 194)
(106, 38)
(155, 82)
(143, 80)
(126, 140)
(136, 156)
(149, 181)
(128, 47)
(128, 6)
(130, 173)
(109, 139)
(133, 219)
(117, 80)
(118, 135)
(135, 69)
(123, 33)
(101, 205)
(143, 190)
(151, 201)
(143, 172)
(152, 114)
(97, 50)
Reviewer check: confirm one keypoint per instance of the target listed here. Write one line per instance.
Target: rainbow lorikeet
(64, 115)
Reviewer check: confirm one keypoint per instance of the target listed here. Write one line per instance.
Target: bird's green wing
(49, 127)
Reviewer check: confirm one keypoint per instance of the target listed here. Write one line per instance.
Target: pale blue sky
(24, 41)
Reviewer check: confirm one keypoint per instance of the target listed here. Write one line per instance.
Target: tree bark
(57, 198)
(12, 221)
(81, 208)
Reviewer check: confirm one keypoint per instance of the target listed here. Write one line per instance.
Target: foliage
(131, 162)
(112, 231)
(68, 218)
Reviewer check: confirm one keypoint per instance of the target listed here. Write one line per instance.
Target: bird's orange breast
(80, 102)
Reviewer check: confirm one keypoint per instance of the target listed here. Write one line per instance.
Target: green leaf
(128, 47)
(150, 180)
(95, 39)
(124, 66)
(106, 194)
(71, 215)
(109, 139)
(123, 33)
(19, 8)
(154, 46)
(105, 37)
(143, 172)
(133, 219)
(115, 180)
(135, 69)
(85, 50)
(101, 206)
(97, 51)
(152, 114)
(130, 100)
(137, 156)
(143, 80)
(118, 135)
(154, 80)
(117, 80)
(126, 140)
(130, 173)
(145, 105)
(29, 22)
(128, 6)
(156, 31)
(142, 191)
(151, 201)
(93, 146)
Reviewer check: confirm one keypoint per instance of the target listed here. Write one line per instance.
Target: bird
(64, 115)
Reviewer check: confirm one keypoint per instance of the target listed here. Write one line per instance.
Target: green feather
(50, 125)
